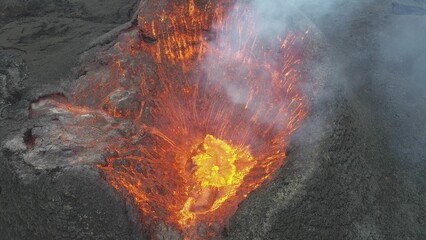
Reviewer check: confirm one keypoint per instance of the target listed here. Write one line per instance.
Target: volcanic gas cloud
(202, 108)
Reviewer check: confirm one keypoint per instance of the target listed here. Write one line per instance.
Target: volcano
(202, 119)
(209, 105)
(188, 110)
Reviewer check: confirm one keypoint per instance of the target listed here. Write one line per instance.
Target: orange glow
(213, 109)
(218, 170)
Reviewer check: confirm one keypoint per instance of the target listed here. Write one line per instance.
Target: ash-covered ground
(368, 177)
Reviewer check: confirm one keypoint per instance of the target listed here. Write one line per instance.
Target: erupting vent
(211, 104)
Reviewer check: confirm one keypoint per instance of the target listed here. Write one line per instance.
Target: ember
(212, 105)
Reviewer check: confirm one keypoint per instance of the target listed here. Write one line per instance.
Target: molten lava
(218, 170)
(212, 105)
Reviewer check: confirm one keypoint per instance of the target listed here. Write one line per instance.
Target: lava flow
(212, 105)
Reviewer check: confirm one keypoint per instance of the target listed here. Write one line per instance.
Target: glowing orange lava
(218, 170)
(216, 106)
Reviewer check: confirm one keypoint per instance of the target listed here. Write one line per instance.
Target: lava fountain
(211, 104)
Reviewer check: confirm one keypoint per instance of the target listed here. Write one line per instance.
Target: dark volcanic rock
(51, 34)
(59, 203)
(50, 185)
(370, 181)
(98, 10)
(13, 71)
(46, 190)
